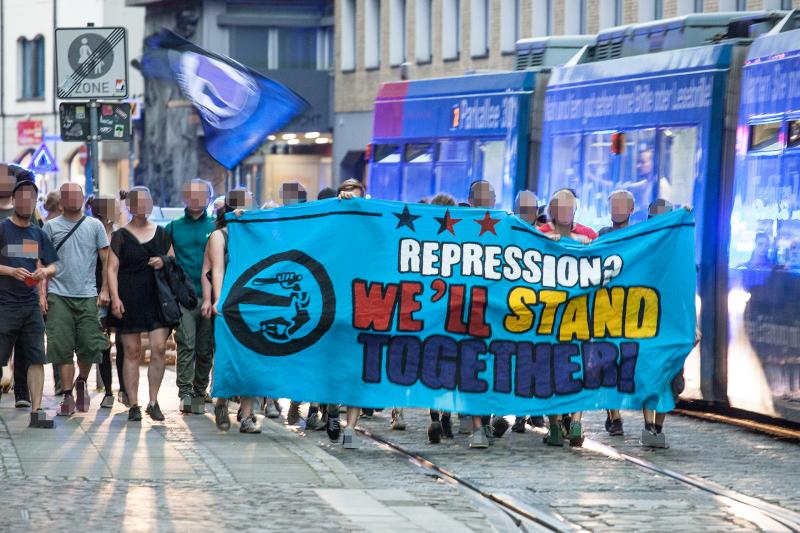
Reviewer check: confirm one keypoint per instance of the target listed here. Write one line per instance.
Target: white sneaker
(479, 439)
(270, 411)
(349, 441)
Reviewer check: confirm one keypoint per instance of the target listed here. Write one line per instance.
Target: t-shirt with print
(77, 257)
(21, 248)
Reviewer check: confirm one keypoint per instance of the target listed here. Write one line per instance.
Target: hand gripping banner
(383, 304)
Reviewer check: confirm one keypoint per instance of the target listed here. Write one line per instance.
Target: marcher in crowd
(73, 320)
(189, 235)
(23, 245)
(138, 250)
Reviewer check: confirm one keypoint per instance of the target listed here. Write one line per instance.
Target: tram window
(639, 172)
(598, 179)
(677, 165)
(489, 164)
(451, 151)
(765, 136)
(565, 162)
(794, 134)
(386, 153)
(419, 153)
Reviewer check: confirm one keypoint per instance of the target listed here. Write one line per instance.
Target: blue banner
(384, 304)
(238, 106)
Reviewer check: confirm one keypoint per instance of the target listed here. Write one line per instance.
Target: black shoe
(566, 420)
(155, 412)
(135, 414)
(435, 433)
(367, 412)
(333, 429)
(608, 422)
(615, 428)
(447, 427)
(499, 426)
(536, 421)
(519, 425)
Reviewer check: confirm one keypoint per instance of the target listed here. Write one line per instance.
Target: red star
(447, 223)
(487, 223)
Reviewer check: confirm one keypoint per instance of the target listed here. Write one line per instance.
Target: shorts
(22, 326)
(73, 326)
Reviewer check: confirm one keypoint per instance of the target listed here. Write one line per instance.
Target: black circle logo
(87, 54)
(281, 305)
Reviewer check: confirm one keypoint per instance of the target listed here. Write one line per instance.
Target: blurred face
(482, 195)
(292, 193)
(527, 207)
(239, 199)
(195, 196)
(105, 209)
(658, 210)
(621, 208)
(562, 209)
(25, 202)
(140, 204)
(6, 182)
(71, 198)
(644, 164)
(762, 247)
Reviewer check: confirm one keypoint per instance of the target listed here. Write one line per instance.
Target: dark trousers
(105, 367)
(20, 374)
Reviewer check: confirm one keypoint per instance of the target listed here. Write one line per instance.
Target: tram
(702, 110)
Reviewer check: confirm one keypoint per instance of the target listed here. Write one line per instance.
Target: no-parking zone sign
(91, 63)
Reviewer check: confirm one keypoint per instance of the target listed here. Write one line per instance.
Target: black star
(447, 223)
(406, 219)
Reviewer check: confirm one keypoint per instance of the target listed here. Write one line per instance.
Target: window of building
(584, 18)
(541, 20)
(509, 24)
(658, 9)
(618, 12)
(31, 62)
(347, 35)
(479, 28)
(397, 32)
(297, 48)
(423, 30)
(451, 29)
(610, 13)
(372, 34)
(698, 6)
(325, 48)
(574, 17)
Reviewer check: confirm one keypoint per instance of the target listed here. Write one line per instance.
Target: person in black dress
(136, 253)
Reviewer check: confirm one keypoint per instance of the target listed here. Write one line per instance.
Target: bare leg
(132, 343)
(155, 372)
(576, 417)
(660, 417)
(247, 406)
(36, 385)
(649, 415)
(476, 422)
(67, 376)
(614, 414)
(352, 416)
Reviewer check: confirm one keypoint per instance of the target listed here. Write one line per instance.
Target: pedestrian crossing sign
(43, 160)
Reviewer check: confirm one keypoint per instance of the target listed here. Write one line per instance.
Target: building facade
(28, 106)
(389, 40)
(288, 41)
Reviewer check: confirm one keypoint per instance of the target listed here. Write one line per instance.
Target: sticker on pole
(91, 63)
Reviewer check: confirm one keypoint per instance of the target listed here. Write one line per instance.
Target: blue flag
(238, 106)
(383, 304)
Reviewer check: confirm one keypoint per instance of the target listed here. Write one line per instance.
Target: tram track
(765, 515)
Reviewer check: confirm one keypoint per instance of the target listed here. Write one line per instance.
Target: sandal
(575, 434)
(554, 437)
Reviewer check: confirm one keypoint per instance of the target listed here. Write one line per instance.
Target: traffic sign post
(114, 121)
(92, 63)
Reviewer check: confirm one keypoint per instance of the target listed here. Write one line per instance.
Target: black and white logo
(281, 305)
(92, 49)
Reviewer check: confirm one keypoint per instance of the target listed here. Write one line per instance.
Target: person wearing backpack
(73, 321)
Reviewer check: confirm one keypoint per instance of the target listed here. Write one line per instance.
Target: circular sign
(281, 305)
(84, 57)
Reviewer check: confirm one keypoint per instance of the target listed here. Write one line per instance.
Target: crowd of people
(90, 272)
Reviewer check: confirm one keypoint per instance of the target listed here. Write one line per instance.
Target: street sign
(91, 63)
(114, 121)
(43, 161)
(29, 132)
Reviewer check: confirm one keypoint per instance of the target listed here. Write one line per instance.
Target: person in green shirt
(189, 235)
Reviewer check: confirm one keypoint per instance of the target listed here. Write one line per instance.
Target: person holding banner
(137, 251)
(562, 208)
(218, 261)
(621, 205)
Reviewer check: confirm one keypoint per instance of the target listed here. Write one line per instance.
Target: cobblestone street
(184, 475)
